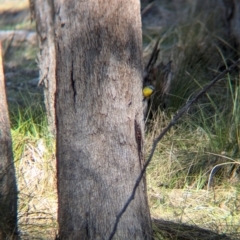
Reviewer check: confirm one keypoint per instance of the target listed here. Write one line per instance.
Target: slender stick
(178, 115)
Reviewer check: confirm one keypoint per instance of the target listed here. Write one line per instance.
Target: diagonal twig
(154, 56)
(178, 115)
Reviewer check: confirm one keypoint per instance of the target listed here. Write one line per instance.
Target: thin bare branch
(178, 115)
(211, 175)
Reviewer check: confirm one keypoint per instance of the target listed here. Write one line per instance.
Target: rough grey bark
(99, 119)
(8, 187)
(42, 12)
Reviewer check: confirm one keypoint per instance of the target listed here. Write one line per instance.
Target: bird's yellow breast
(147, 91)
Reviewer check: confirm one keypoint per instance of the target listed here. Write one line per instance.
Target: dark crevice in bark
(87, 230)
(73, 87)
(139, 141)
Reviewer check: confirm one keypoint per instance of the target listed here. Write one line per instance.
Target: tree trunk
(8, 187)
(42, 11)
(99, 119)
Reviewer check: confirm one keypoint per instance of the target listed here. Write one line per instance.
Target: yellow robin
(148, 91)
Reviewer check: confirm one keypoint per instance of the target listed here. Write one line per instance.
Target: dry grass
(215, 210)
(37, 204)
(178, 176)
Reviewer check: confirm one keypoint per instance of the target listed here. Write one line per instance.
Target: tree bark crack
(87, 230)
(139, 141)
(73, 84)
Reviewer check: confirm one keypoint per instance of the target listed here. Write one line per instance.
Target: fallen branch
(179, 114)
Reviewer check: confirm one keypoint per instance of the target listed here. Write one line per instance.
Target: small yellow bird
(148, 91)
